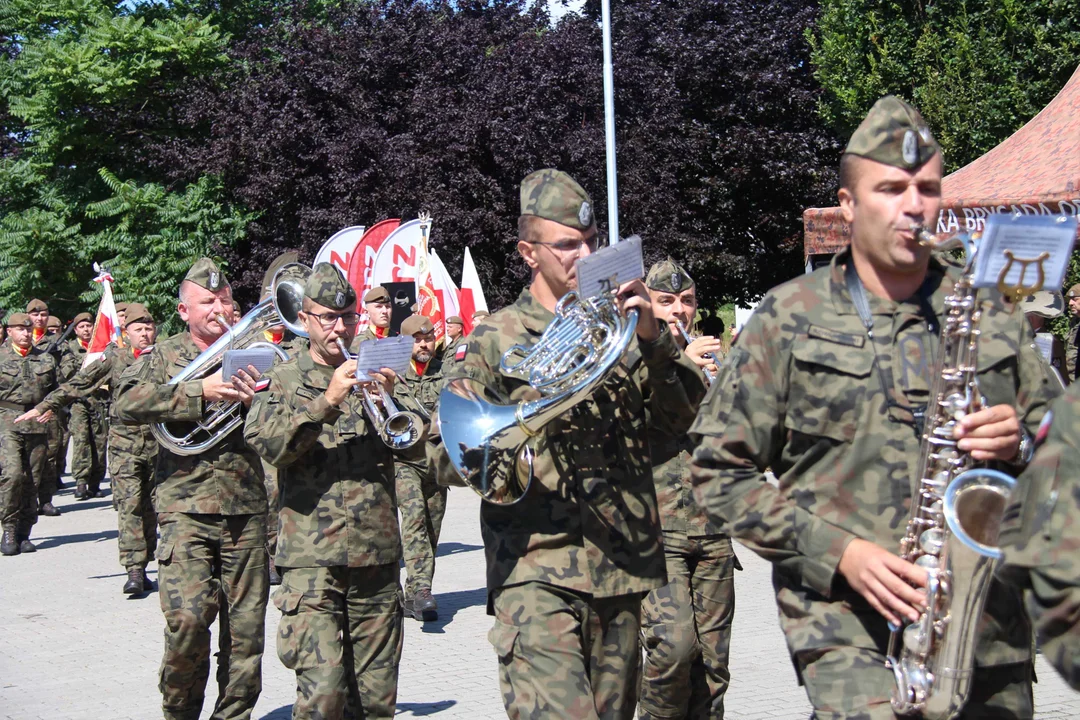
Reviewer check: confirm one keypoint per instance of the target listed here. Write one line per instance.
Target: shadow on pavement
(282, 713)
(58, 540)
(455, 548)
(85, 505)
(450, 603)
(419, 709)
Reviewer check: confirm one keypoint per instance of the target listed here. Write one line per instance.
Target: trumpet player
(211, 511)
(828, 387)
(338, 545)
(686, 624)
(569, 563)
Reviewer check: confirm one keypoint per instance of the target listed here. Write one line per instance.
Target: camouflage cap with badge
(553, 195)
(329, 288)
(893, 133)
(206, 274)
(668, 276)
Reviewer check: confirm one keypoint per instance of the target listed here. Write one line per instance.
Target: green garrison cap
(53, 322)
(36, 305)
(668, 276)
(893, 133)
(82, 317)
(206, 274)
(417, 324)
(137, 313)
(329, 288)
(19, 319)
(554, 195)
(454, 320)
(377, 294)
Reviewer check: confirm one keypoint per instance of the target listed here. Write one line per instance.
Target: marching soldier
(27, 375)
(421, 500)
(568, 565)
(338, 544)
(56, 428)
(211, 511)
(53, 326)
(39, 317)
(827, 387)
(88, 423)
(686, 624)
(454, 328)
(378, 309)
(132, 449)
(1072, 343)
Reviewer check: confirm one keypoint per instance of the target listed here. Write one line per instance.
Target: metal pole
(609, 127)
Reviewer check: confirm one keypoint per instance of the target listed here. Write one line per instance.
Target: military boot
(81, 493)
(135, 581)
(275, 576)
(49, 510)
(8, 544)
(424, 607)
(25, 546)
(148, 584)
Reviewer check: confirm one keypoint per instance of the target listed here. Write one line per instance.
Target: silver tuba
(487, 437)
(221, 418)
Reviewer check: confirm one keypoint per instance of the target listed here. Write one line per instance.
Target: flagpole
(609, 127)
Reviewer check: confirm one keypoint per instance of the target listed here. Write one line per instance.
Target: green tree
(976, 69)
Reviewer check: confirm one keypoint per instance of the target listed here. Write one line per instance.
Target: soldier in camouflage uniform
(211, 513)
(454, 336)
(568, 565)
(48, 482)
(88, 422)
(421, 500)
(379, 311)
(834, 410)
(685, 625)
(338, 545)
(1041, 537)
(1072, 343)
(132, 449)
(27, 375)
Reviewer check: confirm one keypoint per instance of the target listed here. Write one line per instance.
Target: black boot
(81, 493)
(25, 546)
(424, 607)
(49, 510)
(134, 584)
(148, 584)
(275, 576)
(8, 544)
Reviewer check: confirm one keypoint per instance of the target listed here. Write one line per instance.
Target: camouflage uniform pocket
(308, 636)
(503, 638)
(164, 553)
(828, 388)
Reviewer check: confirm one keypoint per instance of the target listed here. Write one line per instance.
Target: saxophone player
(827, 387)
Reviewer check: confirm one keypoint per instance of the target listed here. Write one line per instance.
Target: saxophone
(955, 519)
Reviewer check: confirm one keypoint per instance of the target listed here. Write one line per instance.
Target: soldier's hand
(244, 382)
(884, 579)
(993, 433)
(342, 383)
(386, 378)
(634, 295)
(46, 416)
(29, 415)
(703, 346)
(215, 389)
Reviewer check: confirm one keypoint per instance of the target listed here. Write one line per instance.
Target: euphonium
(687, 338)
(221, 418)
(954, 523)
(487, 438)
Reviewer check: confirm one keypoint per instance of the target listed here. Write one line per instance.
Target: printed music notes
(606, 269)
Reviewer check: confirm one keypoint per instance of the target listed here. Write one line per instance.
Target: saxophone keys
(931, 541)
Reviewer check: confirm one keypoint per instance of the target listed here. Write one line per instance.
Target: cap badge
(584, 215)
(340, 299)
(215, 280)
(911, 147)
(676, 281)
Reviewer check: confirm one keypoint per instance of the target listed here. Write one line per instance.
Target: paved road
(72, 646)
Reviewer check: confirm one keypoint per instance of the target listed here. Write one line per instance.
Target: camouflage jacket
(24, 382)
(227, 479)
(104, 375)
(425, 392)
(1041, 537)
(801, 394)
(449, 353)
(336, 479)
(1072, 349)
(589, 521)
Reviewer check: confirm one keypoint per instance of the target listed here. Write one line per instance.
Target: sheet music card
(607, 268)
(1025, 238)
(394, 353)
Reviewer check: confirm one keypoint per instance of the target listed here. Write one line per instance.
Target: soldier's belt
(5, 405)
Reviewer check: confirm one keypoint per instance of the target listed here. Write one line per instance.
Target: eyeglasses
(329, 320)
(568, 247)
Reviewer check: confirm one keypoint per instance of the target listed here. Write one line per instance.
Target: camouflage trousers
(270, 481)
(89, 430)
(686, 630)
(566, 655)
(848, 683)
(22, 461)
(422, 503)
(209, 564)
(341, 633)
(132, 483)
(55, 458)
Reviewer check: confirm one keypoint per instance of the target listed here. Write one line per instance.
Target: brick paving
(72, 646)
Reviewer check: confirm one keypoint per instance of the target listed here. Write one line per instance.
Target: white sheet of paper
(1045, 343)
(394, 353)
(1026, 236)
(607, 268)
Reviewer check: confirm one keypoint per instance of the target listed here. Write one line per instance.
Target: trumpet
(399, 429)
(688, 338)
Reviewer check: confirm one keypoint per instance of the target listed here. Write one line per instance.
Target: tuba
(487, 438)
(955, 519)
(221, 418)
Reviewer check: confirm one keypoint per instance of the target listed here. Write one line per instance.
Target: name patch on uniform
(461, 350)
(835, 336)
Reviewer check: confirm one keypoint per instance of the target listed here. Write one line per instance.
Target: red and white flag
(471, 299)
(445, 287)
(426, 299)
(107, 322)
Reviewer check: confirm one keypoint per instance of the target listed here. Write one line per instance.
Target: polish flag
(445, 287)
(471, 298)
(426, 298)
(107, 323)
